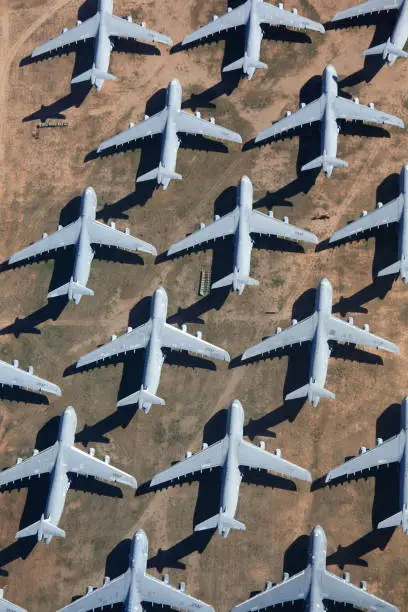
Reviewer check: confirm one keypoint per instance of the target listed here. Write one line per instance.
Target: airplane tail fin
(323, 161)
(142, 397)
(221, 522)
(392, 521)
(394, 268)
(238, 282)
(312, 391)
(93, 75)
(246, 63)
(385, 49)
(44, 529)
(160, 174)
(73, 289)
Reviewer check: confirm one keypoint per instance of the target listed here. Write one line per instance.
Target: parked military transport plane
(169, 122)
(229, 453)
(12, 375)
(102, 26)
(252, 14)
(328, 109)
(394, 47)
(320, 329)
(154, 336)
(395, 211)
(241, 222)
(136, 586)
(393, 450)
(82, 233)
(315, 584)
(58, 460)
(7, 606)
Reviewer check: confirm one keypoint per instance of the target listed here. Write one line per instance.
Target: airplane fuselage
(320, 351)
(317, 565)
(404, 468)
(137, 569)
(103, 44)
(400, 33)
(329, 127)
(403, 226)
(253, 37)
(231, 474)
(83, 250)
(59, 481)
(170, 141)
(242, 240)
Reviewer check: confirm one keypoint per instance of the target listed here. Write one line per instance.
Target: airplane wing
(8, 606)
(179, 340)
(334, 588)
(38, 463)
(341, 331)
(210, 457)
(79, 462)
(83, 31)
(301, 332)
(347, 109)
(122, 28)
(273, 15)
(64, 237)
(383, 454)
(104, 234)
(292, 589)
(147, 127)
(224, 226)
(306, 114)
(372, 6)
(389, 213)
(253, 456)
(132, 341)
(16, 377)
(232, 19)
(190, 124)
(264, 224)
(160, 593)
(110, 593)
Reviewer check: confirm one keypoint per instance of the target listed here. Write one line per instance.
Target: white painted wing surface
(252, 456)
(122, 28)
(213, 456)
(301, 332)
(114, 591)
(160, 593)
(224, 226)
(335, 589)
(8, 606)
(347, 109)
(307, 114)
(83, 31)
(147, 127)
(15, 377)
(293, 589)
(179, 340)
(79, 462)
(104, 234)
(365, 8)
(389, 213)
(273, 15)
(232, 19)
(40, 463)
(190, 124)
(341, 331)
(383, 454)
(132, 341)
(264, 224)
(64, 237)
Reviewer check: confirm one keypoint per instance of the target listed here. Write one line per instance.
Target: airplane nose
(325, 283)
(245, 180)
(69, 413)
(90, 191)
(175, 83)
(331, 70)
(236, 406)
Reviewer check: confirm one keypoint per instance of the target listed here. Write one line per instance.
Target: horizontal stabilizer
(44, 530)
(224, 282)
(158, 174)
(310, 390)
(239, 282)
(73, 289)
(220, 522)
(392, 269)
(244, 63)
(93, 75)
(392, 521)
(385, 49)
(144, 398)
(323, 161)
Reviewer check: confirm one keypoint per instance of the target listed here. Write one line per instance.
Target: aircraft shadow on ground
(37, 493)
(372, 64)
(84, 58)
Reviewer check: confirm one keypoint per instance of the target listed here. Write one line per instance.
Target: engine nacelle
(288, 113)
(202, 225)
(278, 330)
(294, 321)
(146, 117)
(379, 441)
(79, 22)
(106, 459)
(278, 452)
(350, 320)
(371, 105)
(280, 5)
(204, 446)
(30, 369)
(198, 114)
(380, 204)
(106, 580)
(19, 460)
(363, 585)
(131, 124)
(229, 9)
(270, 214)
(356, 100)
(143, 24)
(286, 219)
(262, 444)
(129, 19)
(59, 227)
(199, 334)
(212, 120)
(129, 329)
(302, 104)
(366, 327)
(268, 585)
(184, 327)
(188, 454)
(285, 576)
(89, 589)
(112, 224)
(182, 587)
(215, 17)
(15, 363)
(362, 450)
(113, 337)
(127, 231)
(216, 217)
(363, 213)
(64, 30)
(35, 451)
(44, 235)
(346, 576)
(166, 579)
(91, 451)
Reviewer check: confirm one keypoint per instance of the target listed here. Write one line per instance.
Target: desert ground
(42, 174)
